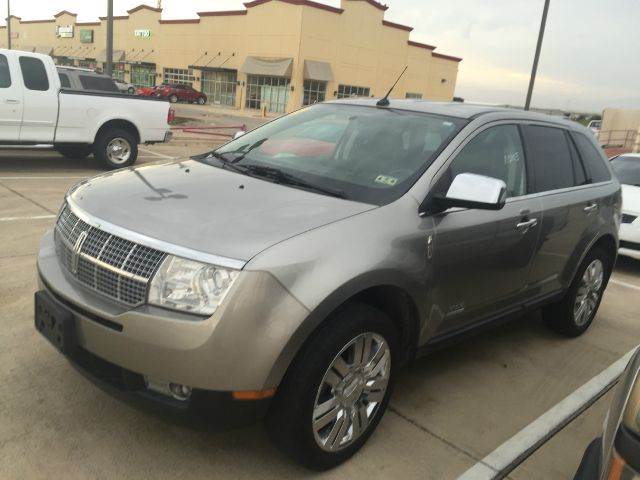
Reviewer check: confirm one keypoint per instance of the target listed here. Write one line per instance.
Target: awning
(276, 67)
(314, 70)
(118, 56)
(142, 57)
(44, 50)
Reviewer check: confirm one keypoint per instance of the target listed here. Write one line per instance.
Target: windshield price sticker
(391, 181)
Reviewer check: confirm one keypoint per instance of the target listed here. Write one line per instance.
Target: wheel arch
(607, 241)
(123, 124)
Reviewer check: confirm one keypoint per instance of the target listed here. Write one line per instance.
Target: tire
(290, 419)
(572, 316)
(173, 98)
(74, 152)
(201, 101)
(131, 90)
(106, 148)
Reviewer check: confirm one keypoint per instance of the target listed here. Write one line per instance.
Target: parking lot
(449, 410)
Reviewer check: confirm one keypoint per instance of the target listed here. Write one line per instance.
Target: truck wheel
(573, 314)
(173, 98)
(337, 390)
(116, 148)
(77, 152)
(200, 101)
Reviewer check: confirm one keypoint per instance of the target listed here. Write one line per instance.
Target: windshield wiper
(278, 176)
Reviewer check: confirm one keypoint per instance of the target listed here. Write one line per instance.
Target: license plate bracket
(55, 323)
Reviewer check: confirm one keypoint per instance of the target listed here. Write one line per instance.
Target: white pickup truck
(35, 110)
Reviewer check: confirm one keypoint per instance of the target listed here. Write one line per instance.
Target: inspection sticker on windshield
(391, 181)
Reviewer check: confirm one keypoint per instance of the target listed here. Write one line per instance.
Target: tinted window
(551, 159)
(5, 74)
(578, 167)
(497, 152)
(94, 82)
(64, 80)
(593, 161)
(34, 74)
(627, 170)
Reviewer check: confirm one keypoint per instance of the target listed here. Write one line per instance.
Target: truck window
(64, 80)
(5, 74)
(94, 82)
(34, 74)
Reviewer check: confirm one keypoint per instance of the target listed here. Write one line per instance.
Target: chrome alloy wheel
(351, 391)
(118, 151)
(588, 293)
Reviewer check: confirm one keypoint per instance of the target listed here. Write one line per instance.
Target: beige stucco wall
(620, 119)
(361, 49)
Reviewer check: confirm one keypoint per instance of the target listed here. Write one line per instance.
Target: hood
(631, 199)
(206, 208)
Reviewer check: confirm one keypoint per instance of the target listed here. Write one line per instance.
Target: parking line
(33, 217)
(504, 459)
(161, 155)
(624, 284)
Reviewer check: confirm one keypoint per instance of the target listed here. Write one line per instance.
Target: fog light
(180, 392)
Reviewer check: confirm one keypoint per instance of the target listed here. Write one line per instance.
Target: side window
(94, 82)
(593, 161)
(578, 167)
(64, 80)
(550, 157)
(496, 152)
(5, 73)
(34, 74)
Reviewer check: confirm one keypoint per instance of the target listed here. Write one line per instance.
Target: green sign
(86, 36)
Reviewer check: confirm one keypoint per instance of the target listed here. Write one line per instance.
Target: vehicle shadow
(30, 161)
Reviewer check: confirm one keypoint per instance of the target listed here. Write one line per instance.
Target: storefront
(143, 74)
(268, 83)
(181, 76)
(219, 85)
(316, 77)
(118, 60)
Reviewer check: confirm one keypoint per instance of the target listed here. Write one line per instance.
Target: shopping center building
(278, 54)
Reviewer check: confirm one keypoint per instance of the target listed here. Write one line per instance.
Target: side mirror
(238, 134)
(469, 190)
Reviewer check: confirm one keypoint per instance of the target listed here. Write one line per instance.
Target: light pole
(534, 70)
(109, 66)
(9, 24)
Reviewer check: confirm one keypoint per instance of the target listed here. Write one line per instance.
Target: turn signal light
(254, 394)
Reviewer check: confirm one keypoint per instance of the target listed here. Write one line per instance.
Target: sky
(589, 58)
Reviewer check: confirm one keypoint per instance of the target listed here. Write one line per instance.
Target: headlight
(190, 286)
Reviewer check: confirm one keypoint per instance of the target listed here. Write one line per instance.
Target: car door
(11, 97)
(570, 203)
(40, 110)
(482, 257)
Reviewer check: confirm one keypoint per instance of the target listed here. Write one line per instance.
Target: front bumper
(241, 347)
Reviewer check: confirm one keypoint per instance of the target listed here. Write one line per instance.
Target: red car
(179, 92)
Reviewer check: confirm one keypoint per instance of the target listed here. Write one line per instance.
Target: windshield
(366, 154)
(627, 170)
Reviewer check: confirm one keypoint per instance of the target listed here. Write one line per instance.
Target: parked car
(125, 87)
(180, 92)
(292, 283)
(76, 78)
(595, 126)
(627, 168)
(34, 110)
(146, 91)
(616, 454)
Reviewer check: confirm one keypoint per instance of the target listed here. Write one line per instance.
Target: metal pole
(9, 24)
(534, 70)
(109, 66)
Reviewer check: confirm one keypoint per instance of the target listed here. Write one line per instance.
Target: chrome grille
(108, 264)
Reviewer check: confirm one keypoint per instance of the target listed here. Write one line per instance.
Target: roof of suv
(456, 109)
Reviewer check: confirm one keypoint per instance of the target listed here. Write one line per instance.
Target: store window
(416, 96)
(143, 75)
(91, 64)
(314, 91)
(219, 86)
(183, 76)
(346, 91)
(265, 91)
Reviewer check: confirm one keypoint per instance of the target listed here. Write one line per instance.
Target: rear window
(94, 82)
(5, 74)
(34, 74)
(551, 158)
(64, 80)
(594, 163)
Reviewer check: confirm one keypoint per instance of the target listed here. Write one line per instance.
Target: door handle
(592, 207)
(12, 101)
(525, 225)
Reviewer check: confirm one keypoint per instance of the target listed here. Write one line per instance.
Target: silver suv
(292, 271)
